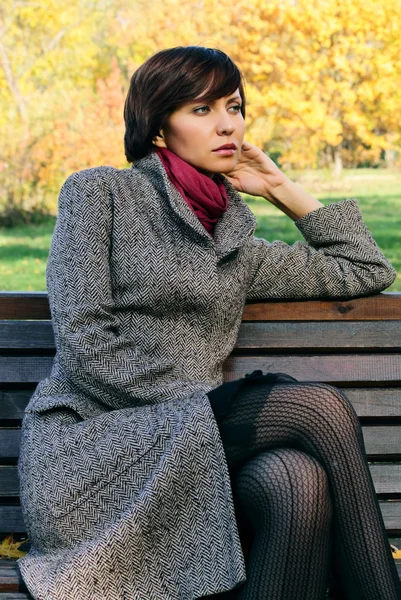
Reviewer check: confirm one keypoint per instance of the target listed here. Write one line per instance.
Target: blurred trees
(323, 80)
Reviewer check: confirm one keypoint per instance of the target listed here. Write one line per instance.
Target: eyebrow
(236, 98)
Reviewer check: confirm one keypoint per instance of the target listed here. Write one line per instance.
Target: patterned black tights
(302, 485)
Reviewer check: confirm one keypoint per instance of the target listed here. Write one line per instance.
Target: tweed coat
(124, 484)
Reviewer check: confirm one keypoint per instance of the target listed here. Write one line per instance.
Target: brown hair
(168, 80)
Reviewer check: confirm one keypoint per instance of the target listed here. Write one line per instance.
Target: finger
(246, 146)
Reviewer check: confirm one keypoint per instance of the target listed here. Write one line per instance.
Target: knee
(331, 406)
(284, 483)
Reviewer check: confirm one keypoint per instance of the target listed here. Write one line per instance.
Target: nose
(225, 125)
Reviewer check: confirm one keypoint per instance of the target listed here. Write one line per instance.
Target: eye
(201, 110)
(236, 108)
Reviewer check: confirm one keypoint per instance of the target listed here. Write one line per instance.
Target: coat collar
(235, 225)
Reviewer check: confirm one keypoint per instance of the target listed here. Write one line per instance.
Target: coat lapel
(232, 229)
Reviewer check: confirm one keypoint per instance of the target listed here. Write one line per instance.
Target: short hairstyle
(168, 80)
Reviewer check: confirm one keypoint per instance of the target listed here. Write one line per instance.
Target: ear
(159, 140)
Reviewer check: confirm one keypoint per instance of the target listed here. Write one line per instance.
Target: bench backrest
(355, 345)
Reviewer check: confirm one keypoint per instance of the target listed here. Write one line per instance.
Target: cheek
(241, 129)
(181, 137)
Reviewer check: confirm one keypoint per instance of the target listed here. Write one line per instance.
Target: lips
(226, 147)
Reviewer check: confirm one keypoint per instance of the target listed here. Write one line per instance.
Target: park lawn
(24, 249)
(379, 197)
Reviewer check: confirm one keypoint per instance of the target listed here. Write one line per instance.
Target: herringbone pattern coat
(124, 483)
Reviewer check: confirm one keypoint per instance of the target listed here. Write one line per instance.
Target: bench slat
(375, 402)
(13, 403)
(24, 305)
(10, 578)
(325, 335)
(380, 307)
(24, 369)
(387, 479)
(368, 402)
(27, 335)
(328, 335)
(380, 441)
(391, 512)
(26, 596)
(345, 368)
(10, 442)
(11, 518)
(15, 596)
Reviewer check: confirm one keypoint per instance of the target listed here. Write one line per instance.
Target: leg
(284, 495)
(320, 421)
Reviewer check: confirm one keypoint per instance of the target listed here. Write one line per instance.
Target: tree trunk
(337, 162)
(390, 157)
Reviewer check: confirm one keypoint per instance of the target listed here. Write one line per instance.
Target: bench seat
(354, 344)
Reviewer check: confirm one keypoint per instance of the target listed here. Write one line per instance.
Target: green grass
(23, 256)
(379, 197)
(24, 250)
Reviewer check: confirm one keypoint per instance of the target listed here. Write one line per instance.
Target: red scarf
(207, 198)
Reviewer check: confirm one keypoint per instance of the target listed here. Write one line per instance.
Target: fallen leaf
(10, 548)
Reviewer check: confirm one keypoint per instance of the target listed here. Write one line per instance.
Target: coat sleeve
(339, 259)
(90, 348)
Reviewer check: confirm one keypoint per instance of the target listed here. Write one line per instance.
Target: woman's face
(208, 135)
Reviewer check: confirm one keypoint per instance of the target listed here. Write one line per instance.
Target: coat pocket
(80, 458)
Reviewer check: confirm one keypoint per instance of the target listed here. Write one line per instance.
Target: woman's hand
(256, 174)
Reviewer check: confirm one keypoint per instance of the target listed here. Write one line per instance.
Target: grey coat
(124, 484)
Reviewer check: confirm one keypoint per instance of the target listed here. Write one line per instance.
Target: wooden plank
(391, 511)
(9, 482)
(9, 442)
(325, 335)
(15, 596)
(384, 306)
(24, 305)
(380, 307)
(11, 520)
(346, 368)
(13, 580)
(368, 402)
(375, 402)
(24, 369)
(380, 440)
(265, 335)
(26, 335)
(13, 403)
(386, 477)
(10, 577)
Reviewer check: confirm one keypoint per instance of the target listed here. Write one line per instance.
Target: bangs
(204, 74)
(217, 83)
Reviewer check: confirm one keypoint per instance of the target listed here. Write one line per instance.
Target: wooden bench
(356, 345)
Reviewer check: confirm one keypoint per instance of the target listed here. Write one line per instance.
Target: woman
(126, 460)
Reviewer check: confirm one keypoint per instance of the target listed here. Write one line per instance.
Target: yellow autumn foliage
(323, 80)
